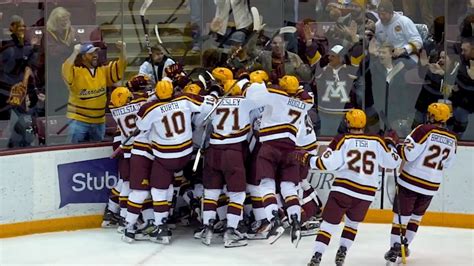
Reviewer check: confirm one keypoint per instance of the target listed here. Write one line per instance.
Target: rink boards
(66, 189)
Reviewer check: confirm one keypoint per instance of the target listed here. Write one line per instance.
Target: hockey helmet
(120, 96)
(233, 86)
(355, 118)
(192, 89)
(222, 74)
(259, 76)
(164, 90)
(439, 111)
(139, 83)
(290, 84)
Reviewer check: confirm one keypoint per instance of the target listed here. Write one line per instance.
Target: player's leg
(354, 216)
(140, 167)
(111, 216)
(407, 199)
(213, 184)
(336, 206)
(421, 205)
(235, 179)
(124, 169)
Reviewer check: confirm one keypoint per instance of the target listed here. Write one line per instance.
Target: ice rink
(432, 246)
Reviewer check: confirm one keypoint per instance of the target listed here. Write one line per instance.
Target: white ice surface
(432, 246)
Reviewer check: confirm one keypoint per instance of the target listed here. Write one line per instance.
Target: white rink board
(29, 185)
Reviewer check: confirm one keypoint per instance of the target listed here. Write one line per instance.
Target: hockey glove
(391, 138)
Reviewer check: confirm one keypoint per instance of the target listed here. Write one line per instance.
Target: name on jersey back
(131, 108)
(230, 102)
(295, 103)
(169, 107)
(442, 139)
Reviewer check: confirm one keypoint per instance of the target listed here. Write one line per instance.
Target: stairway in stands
(175, 36)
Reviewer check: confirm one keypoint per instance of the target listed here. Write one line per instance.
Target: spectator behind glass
(463, 93)
(18, 63)
(400, 31)
(60, 40)
(160, 61)
(279, 62)
(437, 71)
(88, 82)
(411, 8)
(334, 83)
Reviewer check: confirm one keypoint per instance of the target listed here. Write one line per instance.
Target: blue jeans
(85, 132)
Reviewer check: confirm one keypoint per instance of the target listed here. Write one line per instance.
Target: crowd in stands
(389, 58)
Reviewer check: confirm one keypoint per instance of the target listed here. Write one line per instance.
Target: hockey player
(429, 150)
(169, 121)
(136, 91)
(356, 157)
(224, 163)
(284, 110)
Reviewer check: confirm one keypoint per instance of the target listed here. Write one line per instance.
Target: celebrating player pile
(245, 146)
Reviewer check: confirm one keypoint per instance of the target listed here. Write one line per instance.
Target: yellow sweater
(88, 90)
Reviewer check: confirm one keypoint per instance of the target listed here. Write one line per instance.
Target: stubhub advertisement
(87, 181)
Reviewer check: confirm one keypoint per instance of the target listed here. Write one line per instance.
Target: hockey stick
(396, 69)
(146, 4)
(384, 119)
(205, 122)
(157, 33)
(171, 17)
(117, 151)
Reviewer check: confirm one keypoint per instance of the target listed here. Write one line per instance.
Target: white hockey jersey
(282, 114)
(125, 118)
(356, 158)
(306, 138)
(428, 151)
(170, 124)
(231, 120)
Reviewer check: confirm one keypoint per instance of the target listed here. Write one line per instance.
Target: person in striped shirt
(356, 157)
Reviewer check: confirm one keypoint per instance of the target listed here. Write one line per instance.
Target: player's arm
(412, 147)
(117, 138)
(332, 158)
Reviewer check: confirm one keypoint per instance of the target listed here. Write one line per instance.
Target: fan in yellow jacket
(87, 85)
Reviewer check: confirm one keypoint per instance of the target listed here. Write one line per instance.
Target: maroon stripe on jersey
(335, 142)
(142, 146)
(161, 206)
(323, 237)
(234, 208)
(355, 187)
(172, 148)
(418, 182)
(349, 233)
(284, 129)
(241, 133)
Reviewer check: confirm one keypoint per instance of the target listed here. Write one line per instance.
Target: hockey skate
(393, 256)
(316, 259)
(259, 230)
(310, 227)
(129, 235)
(208, 233)
(144, 232)
(110, 219)
(276, 230)
(233, 238)
(295, 230)
(219, 227)
(121, 225)
(161, 234)
(340, 256)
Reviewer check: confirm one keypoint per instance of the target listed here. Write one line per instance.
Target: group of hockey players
(233, 152)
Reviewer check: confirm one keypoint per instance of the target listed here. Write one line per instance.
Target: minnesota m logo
(336, 89)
